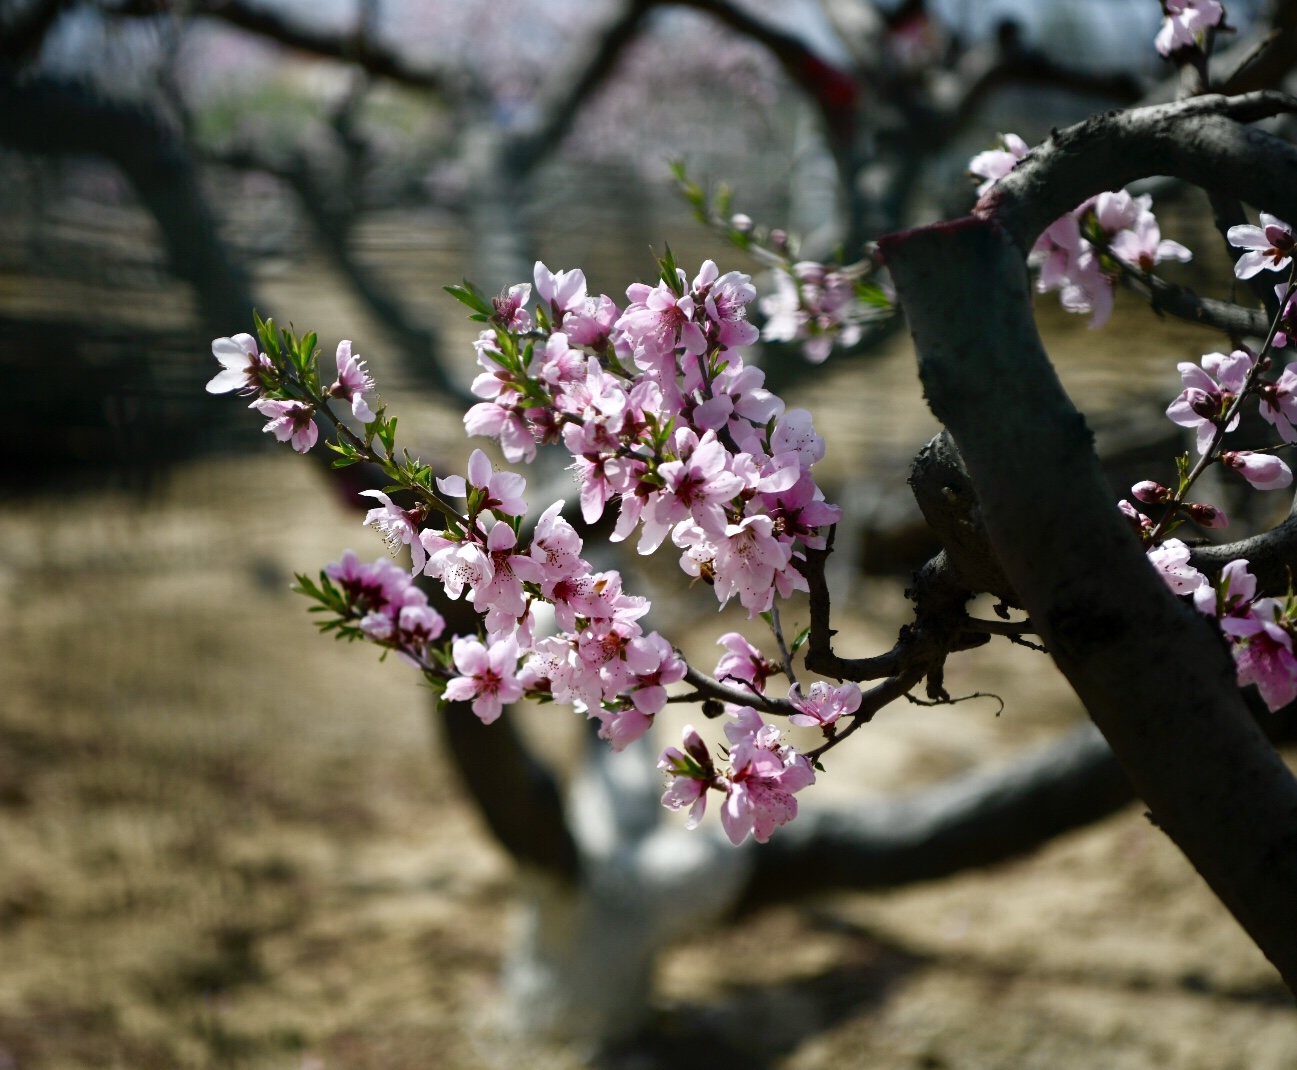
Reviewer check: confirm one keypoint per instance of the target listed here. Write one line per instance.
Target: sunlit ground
(227, 842)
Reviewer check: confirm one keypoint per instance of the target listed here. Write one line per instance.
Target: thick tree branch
(1182, 303)
(974, 820)
(1154, 676)
(1201, 140)
(1271, 556)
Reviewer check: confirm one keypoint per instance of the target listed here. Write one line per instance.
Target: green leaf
(874, 296)
(470, 295)
(800, 641)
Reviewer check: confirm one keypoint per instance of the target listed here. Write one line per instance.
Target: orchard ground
(227, 842)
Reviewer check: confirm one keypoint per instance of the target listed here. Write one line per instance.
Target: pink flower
(499, 421)
(692, 773)
(352, 383)
(509, 571)
(725, 300)
(1279, 404)
(242, 365)
(560, 364)
(1264, 471)
(801, 511)
(1185, 22)
(696, 486)
(746, 559)
(459, 565)
(994, 164)
(562, 290)
(764, 775)
(795, 433)
(824, 704)
(416, 627)
(1231, 599)
(289, 421)
(396, 525)
(1171, 560)
(815, 305)
(1264, 654)
(555, 546)
(1269, 246)
(1055, 252)
(500, 491)
(487, 676)
(509, 312)
(622, 727)
(652, 666)
(1144, 247)
(744, 663)
(589, 322)
(377, 626)
(1208, 393)
(1088, 289)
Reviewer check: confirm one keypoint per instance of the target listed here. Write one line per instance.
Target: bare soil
(226, 842)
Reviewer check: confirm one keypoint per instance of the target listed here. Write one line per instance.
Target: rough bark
(1202, 141)
(1154, 676)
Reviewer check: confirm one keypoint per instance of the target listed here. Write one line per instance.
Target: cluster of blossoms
(246, 370)
(1083, 254)
(1260, 630)
(758, 786)
(820, 306)
(656, 406)
(387, 607)
(661, 415)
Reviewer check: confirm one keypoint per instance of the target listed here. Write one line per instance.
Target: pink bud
(1151, 493)
(1206, 515)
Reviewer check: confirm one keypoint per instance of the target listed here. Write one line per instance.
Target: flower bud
(741, 222)
(1151, 493)
(1208, 516)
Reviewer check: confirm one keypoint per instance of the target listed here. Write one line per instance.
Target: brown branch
(1182, 303)
(1154, 676)
(707, 688)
